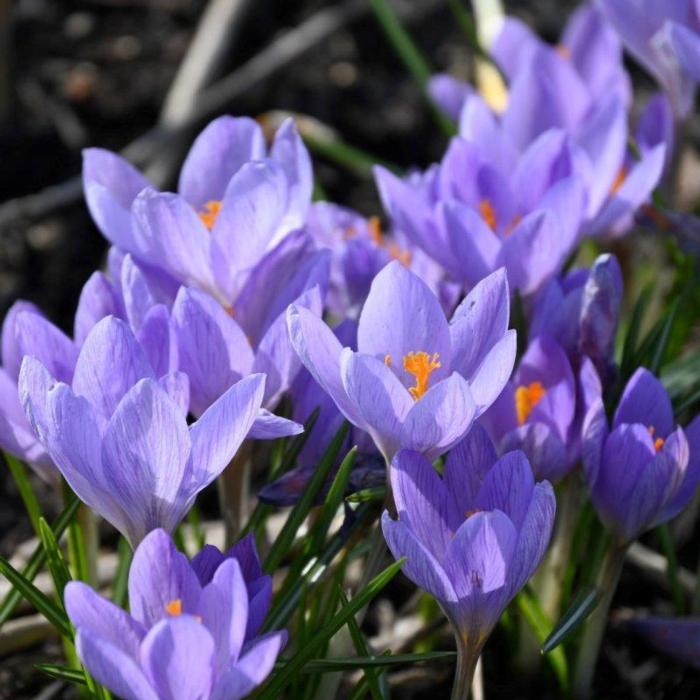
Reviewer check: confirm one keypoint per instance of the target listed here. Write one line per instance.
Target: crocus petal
(111, 361)
(11, 352)
(38, 337)
(145, 453)
(448, 93)
(159, 574)
(544, 449)
(466, 467)
(439, 419)
(421, 566)
(422, 501)
(111, 667)
(213, 348)
(595, 432)
(178, 656)
(268, 426)
(177, 386)
(89, 610)
(206, 562)
(686, 45)
(508, 487)
(479, 322)
(677, 637)
(97, 300)
(252, 668)
(158, 339)
(259, 602)
(217, 154)
(171, 235)
(490, 378)
(218, 434)
(289, 151)
(136, 292)
(645, 401)
(690, 482)
(319, 351)
(246, 553)
(223, 607)
(378, 395)
(401, 315)
(111, 184)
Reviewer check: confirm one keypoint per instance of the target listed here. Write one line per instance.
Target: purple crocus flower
(487, 206)
(581, 310)
(645, 469)
(234, 204)
(535, 412)
(665, 38)
(415, 381)
(679, 637)
(119, 434)
(473, 537)
(25, 331)
(191, 632)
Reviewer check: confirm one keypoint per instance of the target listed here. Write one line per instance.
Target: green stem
(467, 658)
(234, 492)
(588, 652)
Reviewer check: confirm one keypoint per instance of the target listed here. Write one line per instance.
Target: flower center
(659, 442)
(564, 51)
(421, 366)
(488, 213)
(174, 607)
(526, 398)
(209, 212)
(619, 180)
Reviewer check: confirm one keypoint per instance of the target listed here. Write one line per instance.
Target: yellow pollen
(619, 180)
(526, 398)
(374, 225)
(564, 51)
(396, 252)
(469, 513)
(174, 607)
(421, 366)
(209, 212)
(387, 360)
(488, 213)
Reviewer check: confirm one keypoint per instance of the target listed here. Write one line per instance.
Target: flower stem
(588, 652)
(234, 492)
(467, 658)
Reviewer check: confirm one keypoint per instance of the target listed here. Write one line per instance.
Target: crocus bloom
(473, 537)
(643, 470)
(191, 632)
(665, 38)
(487, 206)
(581, 310)
(415, 381)
(25, 331)
(679, 637)
(535, 411)
(120, 437)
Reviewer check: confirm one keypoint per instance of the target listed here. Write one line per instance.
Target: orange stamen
(469, 513)
(421, 366)
(174, 607)
(209, 212)
(526, 398)
(387, 360)
(564, 51)
(513, 224)
(658, 444)
(374, 225)
(488, 213)
(619, 180)
(395, 251)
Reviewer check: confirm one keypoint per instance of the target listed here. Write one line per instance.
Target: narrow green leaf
(41, 602)
(581, 607)
(664, 336)
(63, 673)
(412, 58)
(36, 561)
(54, 558)
(630, 344)
(362, 649)
(303, 656)
(24, 486)
(356, 160)
(121, 578)
(333, 501)
(296, 517)
(540, 624)
(374, 493)
(353, 663)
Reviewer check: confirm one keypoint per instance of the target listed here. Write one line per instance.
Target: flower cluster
(478, 368)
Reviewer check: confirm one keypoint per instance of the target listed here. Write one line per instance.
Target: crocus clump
(473, 537)
(415, 381)
(644, 469)
(192, 630)
(119, 434)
